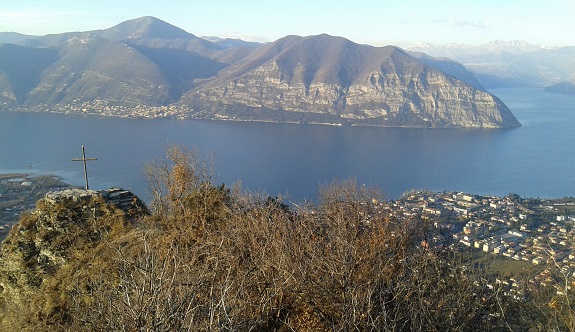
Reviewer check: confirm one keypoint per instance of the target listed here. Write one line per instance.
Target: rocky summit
(149, 68)
(63, 224)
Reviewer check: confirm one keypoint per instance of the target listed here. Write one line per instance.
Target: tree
(182, 189)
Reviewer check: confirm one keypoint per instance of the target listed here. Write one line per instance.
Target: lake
(537, 159)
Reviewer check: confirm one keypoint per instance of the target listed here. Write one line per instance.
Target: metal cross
(84, 159)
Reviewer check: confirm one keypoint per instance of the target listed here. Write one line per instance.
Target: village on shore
(540, 232)
(105, 108)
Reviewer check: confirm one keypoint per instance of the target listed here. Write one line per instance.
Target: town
(538, 232)
(107, 108)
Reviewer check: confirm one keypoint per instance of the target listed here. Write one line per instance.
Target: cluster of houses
(102, 107)
(536, 231)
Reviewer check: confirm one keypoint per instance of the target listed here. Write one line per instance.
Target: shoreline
(218, 118)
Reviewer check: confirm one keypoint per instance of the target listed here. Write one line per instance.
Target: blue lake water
(537, 159)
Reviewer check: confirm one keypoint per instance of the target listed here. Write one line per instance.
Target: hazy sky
(375, 22)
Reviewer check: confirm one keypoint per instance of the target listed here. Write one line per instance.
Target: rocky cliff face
(62, 226)
(348, 84)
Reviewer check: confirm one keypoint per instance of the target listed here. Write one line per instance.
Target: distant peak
(509, 42)
(325, 36)
(144, 20)
(515, 45)
(148, 18)
(145, 27)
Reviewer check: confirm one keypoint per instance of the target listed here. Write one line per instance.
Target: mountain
(21, 69)
(144, 27)
(144, 31)
(139, 62)
(147, 62)
(449, 67)
(13, 37)
(333, 80)
(151, 32)
(91, 68)
(231, 42)
(566, 88)
(509, 63)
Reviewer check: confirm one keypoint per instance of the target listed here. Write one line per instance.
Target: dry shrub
(212, 260)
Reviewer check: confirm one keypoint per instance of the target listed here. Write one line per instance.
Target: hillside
(208, 258)
(146, 62)
(21, 70)
(91, 68)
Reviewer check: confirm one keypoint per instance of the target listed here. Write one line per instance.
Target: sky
(374, 22)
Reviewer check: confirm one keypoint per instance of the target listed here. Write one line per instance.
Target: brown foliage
(337, 266)
(210, 259)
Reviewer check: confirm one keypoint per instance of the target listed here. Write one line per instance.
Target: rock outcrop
(63, 225)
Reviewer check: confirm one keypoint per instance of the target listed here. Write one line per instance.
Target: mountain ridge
(146, 62)
(345, 83)
(509, 63)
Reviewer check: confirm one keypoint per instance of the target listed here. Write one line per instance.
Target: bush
(211, 259)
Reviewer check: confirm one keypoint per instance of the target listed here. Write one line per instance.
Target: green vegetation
(210, 258)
